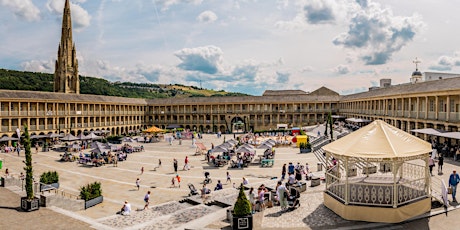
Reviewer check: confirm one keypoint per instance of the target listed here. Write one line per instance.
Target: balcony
(442, 116)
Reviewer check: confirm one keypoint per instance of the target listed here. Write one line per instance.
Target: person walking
(178, 180)
(147, 200)
(431, 165)
(283, 193)
(454, 179)
(138, 184)
(175, 165)
(440, 163)
(252, 199)
(186, 167)
(291, 168)
(283, 172)
(173, 182)
(142, 170)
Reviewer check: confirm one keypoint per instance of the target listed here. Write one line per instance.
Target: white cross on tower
(416, 61)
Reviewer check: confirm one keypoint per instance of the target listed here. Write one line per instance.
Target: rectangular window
(431, 105)
(441, 105)
(452, 105)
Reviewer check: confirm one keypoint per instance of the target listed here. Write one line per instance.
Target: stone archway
(237, 125)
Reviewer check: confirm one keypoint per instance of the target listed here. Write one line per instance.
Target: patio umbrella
(6, 138)
(128, 139)
(69, 137)
(82, 136)
(153, 129)
(227, 145)
(93, 136)
(219, 149)
(265, 146)
(53, 135)
(38, 136)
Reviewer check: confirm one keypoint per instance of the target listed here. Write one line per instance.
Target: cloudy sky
(238, 45)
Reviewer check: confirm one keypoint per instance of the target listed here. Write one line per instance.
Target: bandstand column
(346, 180)
(395, 188)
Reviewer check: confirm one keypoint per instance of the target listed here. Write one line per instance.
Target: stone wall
(48, 199)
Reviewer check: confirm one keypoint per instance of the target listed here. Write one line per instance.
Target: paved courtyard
(118, 184)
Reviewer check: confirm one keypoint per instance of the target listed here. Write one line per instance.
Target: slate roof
(23, 95)
(405, 89)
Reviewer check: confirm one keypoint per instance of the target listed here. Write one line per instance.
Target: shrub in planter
(305, 147)
(49, 177)
(92, 194)
(91, 191)
(242, 216)
(49, 180)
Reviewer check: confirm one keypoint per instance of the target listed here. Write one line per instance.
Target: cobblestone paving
(181, 218)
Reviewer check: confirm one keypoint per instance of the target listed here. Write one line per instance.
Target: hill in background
(19, 80)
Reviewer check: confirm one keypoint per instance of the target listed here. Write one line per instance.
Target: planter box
(241, 222)
(92, 202)
(305, 150)
(30, 205)
(46, 187)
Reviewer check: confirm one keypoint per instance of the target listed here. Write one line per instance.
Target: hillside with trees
(19, 80)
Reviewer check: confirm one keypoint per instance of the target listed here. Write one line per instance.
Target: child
(228, 178)
(173, 184)
(178, 180)
(138, 184)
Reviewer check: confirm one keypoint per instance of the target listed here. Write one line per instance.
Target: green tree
(242, 205)
(28, 163)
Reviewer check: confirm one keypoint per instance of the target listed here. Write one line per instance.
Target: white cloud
(80, 17)
(444, 62)
(207, 17)
(38, 66)
(377, 34)
(207, 59)
(341, 69)
(23, 9)
(166, 4)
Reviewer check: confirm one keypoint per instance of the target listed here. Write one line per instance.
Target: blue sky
(238, 45)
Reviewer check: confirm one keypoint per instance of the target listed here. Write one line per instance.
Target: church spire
(66, 79)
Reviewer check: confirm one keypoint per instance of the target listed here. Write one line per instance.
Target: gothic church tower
(66, 79)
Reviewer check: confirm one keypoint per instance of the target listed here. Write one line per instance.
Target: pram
(207, 179)
(193, 190)
(293, 198)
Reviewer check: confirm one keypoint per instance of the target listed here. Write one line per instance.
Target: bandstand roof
(379, 140)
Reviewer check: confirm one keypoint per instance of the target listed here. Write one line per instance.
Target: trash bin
(320, 166)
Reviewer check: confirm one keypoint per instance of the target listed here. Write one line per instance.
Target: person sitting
(218, 186)
(126, 209)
